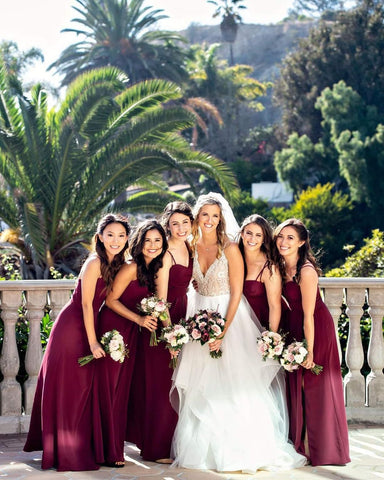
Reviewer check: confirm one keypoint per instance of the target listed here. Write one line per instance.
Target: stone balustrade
(364, 395)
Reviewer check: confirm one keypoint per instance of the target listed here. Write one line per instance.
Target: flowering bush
(113, 344)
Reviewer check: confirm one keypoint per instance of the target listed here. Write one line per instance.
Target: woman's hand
(148, 322)
(215, 345)
(308, 362)
(174, 353)
(97, 350)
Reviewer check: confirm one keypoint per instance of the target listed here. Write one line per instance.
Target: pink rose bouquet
(294, 355)
(205, 326)
(175, 337)
(270, 345)
(113, 345)
(155, 307)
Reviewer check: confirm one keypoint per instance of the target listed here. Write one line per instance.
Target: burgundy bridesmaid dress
(113, 379)
(255, 292)
(155, 418)
(316, 402)
(63, 410)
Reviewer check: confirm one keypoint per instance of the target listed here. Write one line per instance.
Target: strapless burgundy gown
(62, 420)
(113, 379)
(316, 401)
(155, 418)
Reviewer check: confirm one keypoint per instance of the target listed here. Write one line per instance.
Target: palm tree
(231, 90)
(118, 33)
(63, 167)
(229, 11)
(17, 61)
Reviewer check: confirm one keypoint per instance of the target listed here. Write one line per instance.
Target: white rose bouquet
(175, 337)
(294, 355)
(270, 345)
(113, 345)
(155, 307)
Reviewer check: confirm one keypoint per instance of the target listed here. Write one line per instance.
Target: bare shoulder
(231, 247)
(167, 259)
(232, 250)
(129, 268)
(92, 266)
(308, 273)
(271, 274)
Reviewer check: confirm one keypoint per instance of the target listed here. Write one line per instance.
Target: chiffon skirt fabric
(232, 410)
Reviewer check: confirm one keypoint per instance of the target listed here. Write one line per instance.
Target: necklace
(210, 246)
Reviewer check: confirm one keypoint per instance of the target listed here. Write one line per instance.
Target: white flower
(299, 358)
(113, 345)
(116, 355)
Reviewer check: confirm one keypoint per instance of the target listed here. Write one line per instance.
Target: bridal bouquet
(294, 355)
(175, 337)
(155, 307)
(113, 344)
(205, 326)
(270, 345)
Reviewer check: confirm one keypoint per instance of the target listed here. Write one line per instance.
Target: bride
(232, 412)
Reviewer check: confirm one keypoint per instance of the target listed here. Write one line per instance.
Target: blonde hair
(222, 238)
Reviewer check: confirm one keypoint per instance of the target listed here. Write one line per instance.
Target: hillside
(261, 46)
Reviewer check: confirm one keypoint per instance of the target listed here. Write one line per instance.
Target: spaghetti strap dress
(114, 379)
(154, 416)
(62, 419)
(232, 412)
(256, 294)
(316, 402)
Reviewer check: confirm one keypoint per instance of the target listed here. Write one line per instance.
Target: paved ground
(367, 453)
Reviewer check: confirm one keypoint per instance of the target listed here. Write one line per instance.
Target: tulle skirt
(232, 410)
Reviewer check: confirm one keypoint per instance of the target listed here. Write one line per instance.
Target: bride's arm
(236, 279)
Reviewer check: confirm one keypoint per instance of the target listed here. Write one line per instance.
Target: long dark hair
(109, 270)
(146, 274)
(176, 207)
(305, 251)
(266, 247)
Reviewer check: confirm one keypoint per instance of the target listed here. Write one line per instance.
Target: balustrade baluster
(333, 298)
(58, 298)
(375, 379)
(354, 384)
(36, 301)
(10, 389)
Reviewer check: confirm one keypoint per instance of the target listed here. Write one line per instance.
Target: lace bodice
(216, 279)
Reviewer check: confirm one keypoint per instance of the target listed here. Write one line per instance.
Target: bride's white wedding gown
(232, 412)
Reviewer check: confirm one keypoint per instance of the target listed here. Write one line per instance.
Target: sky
(38, 23)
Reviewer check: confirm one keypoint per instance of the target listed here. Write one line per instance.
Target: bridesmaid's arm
(236, 280)
(125, 276)
(273, 288)
(162, 282)
(308, 288)
(89, 275)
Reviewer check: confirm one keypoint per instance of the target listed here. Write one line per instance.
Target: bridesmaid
(315, 402)
(172, 283)
(262, 280)
(134, 281)
(62, 415)
(149, 404)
